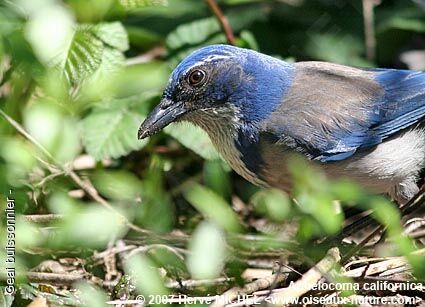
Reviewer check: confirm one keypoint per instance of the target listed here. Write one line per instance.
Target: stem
(222, 19)
(369, 28)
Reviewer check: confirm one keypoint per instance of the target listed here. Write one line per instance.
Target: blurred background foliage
(77, 77)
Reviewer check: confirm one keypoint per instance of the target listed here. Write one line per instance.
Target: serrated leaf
(112, 34)
(112, 132)
(95, 48)
(112, 61)
(193, 138)
(84, 55)
(133, 4)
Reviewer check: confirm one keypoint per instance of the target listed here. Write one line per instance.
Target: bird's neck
(221, 125)
(237, 142)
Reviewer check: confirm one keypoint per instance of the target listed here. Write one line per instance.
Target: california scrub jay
(367, 125)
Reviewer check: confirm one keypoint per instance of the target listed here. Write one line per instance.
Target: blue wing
(332, 111)
(403, 103)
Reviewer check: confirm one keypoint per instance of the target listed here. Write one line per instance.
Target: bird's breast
(224, 135)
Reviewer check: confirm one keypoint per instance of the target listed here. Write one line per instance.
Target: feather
(331, 111)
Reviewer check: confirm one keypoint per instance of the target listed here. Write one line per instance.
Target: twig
(58, 279)
(190, 283)
(362, 244)
(415, 202)
(417, 234)
(222, 19)
(308, 280)
(42, 218)
(260, 284)
(144, 249)
(48, 178)
(147, 56)
(379, 267)
(369, 28)
(113, 251)
(376, 268)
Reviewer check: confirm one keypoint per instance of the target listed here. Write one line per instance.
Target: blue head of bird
(220, 88)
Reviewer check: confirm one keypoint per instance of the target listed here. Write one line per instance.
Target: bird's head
(214, 81)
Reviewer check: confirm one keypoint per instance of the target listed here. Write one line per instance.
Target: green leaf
(112, 131)
(155, 202)
(333, 47)
(104, 82)
(216, 176)
(117, 184)
(6, 300)
(193, 138)
(408, 24)
(407, 18)
(86, 227)
(275, 203)
(93, 48)
(146, 275)
(112, 34)
(84, 55)
(247, 40)
(207, 251)
(91, 295)
(189, 37)
(53, 129)
(212, 206)
(192, 33)
(50, 30)
(142, 38)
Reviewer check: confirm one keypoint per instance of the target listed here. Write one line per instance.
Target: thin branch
(191, 284)
(113, 251)
(308, 280)
(42, 218)
(144, 249)
(224, 22)
(358, 247)
(415, 202)
(147, 56)
(54, 278)
(369, 28)
(260, 284)
(22, 131)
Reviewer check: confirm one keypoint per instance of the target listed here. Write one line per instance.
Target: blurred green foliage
(80, 76)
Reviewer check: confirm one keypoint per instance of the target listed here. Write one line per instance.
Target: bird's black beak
(164, 114)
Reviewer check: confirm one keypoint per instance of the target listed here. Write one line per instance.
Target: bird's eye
(196, 77)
